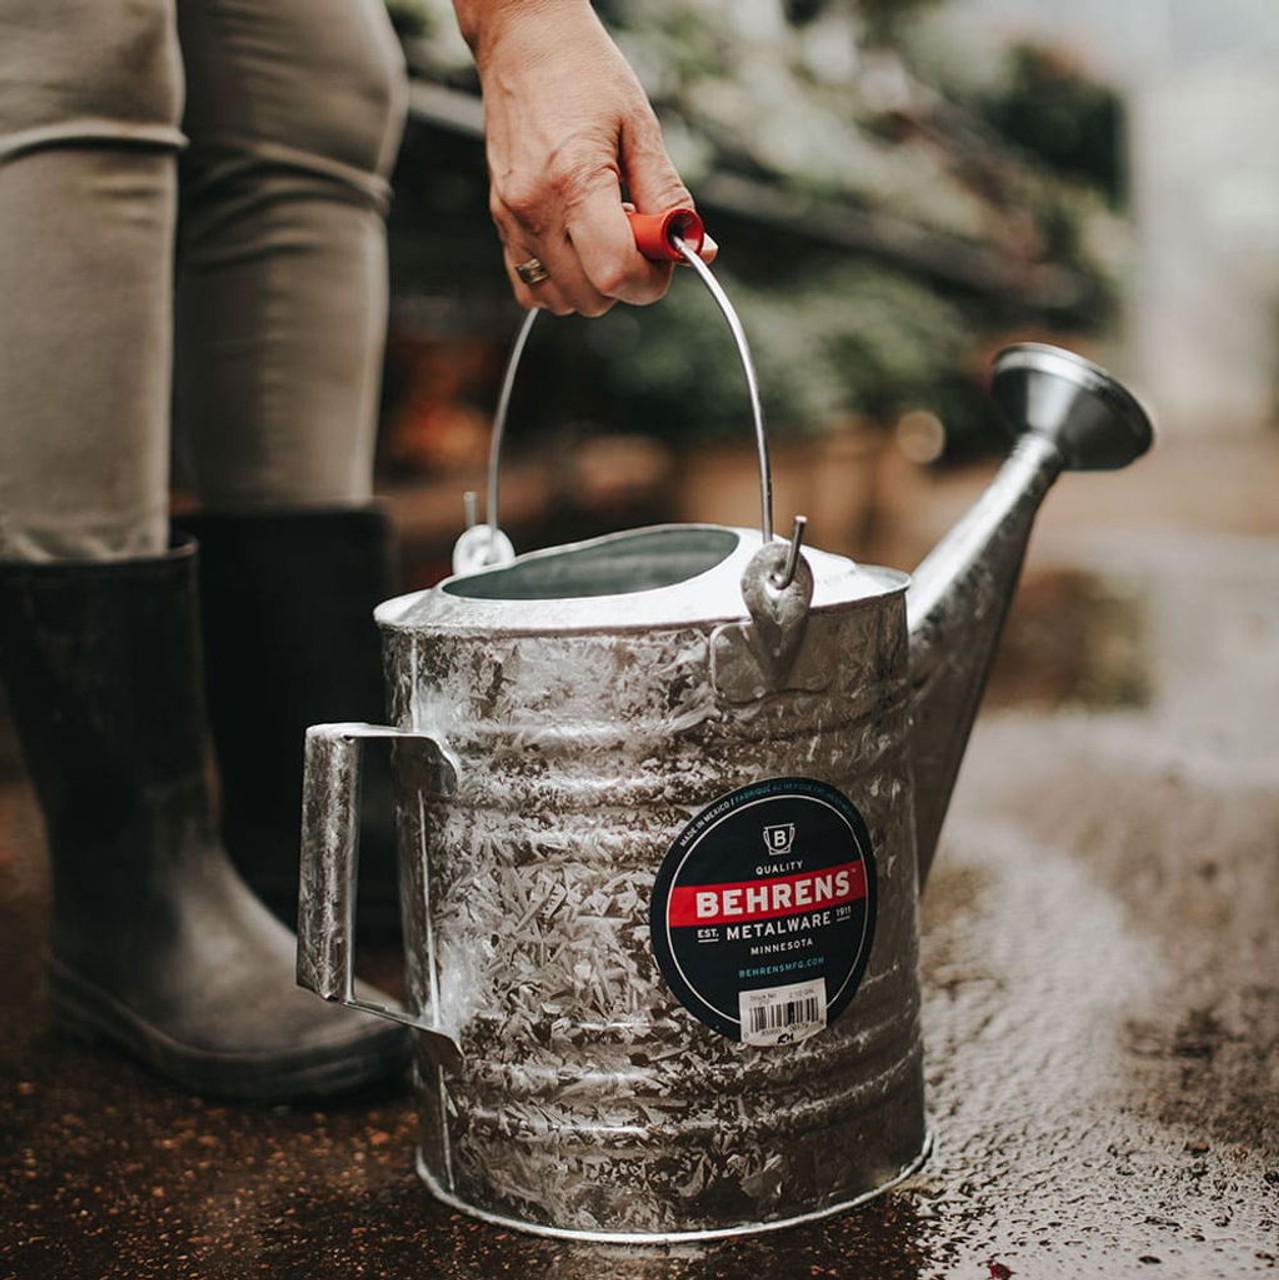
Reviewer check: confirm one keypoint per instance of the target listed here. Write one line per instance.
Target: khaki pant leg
(90, 94)
(294, 112)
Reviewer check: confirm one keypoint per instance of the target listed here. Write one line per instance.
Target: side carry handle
(330, 864)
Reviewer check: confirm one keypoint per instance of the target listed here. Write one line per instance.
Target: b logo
(779, 839)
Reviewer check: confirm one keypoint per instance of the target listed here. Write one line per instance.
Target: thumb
(651, 179)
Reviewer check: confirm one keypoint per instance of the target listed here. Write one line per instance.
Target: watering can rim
(711, 596)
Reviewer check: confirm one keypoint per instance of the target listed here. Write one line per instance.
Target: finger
(544, 295)
(561, 255)
(547, 238)
(652, 181)
(518, 257)
(564, 290)
(521, 249)
(605, 246)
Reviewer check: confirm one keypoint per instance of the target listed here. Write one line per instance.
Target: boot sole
(93, 1015)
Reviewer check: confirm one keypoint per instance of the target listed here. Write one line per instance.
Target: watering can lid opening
(667, 575)
(642, 560)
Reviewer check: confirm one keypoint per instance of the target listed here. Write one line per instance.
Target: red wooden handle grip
(653, 233)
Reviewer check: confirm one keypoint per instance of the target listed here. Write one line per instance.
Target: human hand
(566, 124)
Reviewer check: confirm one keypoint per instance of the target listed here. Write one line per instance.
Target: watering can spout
(1070, 416)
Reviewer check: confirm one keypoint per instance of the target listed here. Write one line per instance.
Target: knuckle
(652, 293)
(578, 168)
(522, 199)
(615, 281)
(642, 287)
(674, 194)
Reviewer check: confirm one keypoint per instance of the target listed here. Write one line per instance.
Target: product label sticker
(763, 911)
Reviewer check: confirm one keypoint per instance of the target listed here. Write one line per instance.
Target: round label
(764, 910)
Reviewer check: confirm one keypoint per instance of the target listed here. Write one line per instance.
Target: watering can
(666, 800)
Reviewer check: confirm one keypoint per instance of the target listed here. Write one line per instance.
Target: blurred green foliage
(848, 338)
(1071, 123)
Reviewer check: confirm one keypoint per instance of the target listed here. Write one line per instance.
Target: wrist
(483, 21)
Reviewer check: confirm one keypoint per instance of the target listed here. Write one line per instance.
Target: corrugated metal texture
(589, 1100)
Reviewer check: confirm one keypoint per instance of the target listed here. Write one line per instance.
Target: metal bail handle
(675, 235)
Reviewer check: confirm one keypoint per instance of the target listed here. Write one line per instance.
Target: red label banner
(766, 899)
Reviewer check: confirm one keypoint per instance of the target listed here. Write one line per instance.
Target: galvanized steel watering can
(665, 802)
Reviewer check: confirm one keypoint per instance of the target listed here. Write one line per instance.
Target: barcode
(783, 1015)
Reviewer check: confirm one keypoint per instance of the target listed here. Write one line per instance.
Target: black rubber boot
(287, 600)
(155, 942)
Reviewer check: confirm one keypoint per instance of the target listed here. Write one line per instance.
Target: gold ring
(532, 271)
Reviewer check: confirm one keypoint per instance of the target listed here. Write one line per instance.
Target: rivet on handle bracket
(751, 660)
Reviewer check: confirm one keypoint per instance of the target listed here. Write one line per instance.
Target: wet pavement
(1101, 1000)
